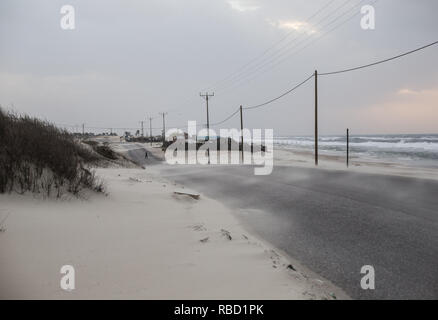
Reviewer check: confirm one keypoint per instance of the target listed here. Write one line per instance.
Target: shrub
(106, 151)
(36, 156)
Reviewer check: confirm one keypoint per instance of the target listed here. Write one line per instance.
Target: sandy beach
(142, 241)
(197, 232)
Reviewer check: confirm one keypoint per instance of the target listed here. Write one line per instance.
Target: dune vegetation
(38, 157)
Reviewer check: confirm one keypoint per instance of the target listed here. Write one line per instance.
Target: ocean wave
(402, 147)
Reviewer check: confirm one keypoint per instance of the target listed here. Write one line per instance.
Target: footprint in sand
(204, 240)
(226, 234)
(275, 258)
(198, 227)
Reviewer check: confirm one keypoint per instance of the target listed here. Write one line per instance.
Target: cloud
(242, 6)
(407, 111)
(408, 92)
(300, 26)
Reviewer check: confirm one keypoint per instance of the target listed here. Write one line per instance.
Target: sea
(407, 149)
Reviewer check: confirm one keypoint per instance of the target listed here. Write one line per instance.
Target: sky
(128, 60)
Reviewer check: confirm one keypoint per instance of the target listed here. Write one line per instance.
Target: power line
(275, 53)
(285, 52)
(288, 54)
(265, 52)
(224, 80)
(226, 119)
(265, 103)
(280, 96)
(285, 93)
(325, 74)
(285, 49)
(100, 128)
(381, 61)
(327, 32)
(264, 62)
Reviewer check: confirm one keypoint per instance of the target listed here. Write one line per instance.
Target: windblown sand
(141, 241)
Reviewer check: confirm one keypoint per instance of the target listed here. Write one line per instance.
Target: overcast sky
(128, 60)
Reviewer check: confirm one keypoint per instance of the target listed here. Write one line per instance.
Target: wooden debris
(189, 194)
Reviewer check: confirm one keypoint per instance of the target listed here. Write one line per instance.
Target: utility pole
(142, 129)
(348, 147)
(83, 130)
(316, 117)
(150, 129)
(164, 125)
(241, 130)
(206, 96)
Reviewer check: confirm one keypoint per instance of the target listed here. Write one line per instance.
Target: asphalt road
(336, 222)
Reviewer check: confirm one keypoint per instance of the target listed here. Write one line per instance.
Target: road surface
(335, 222)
